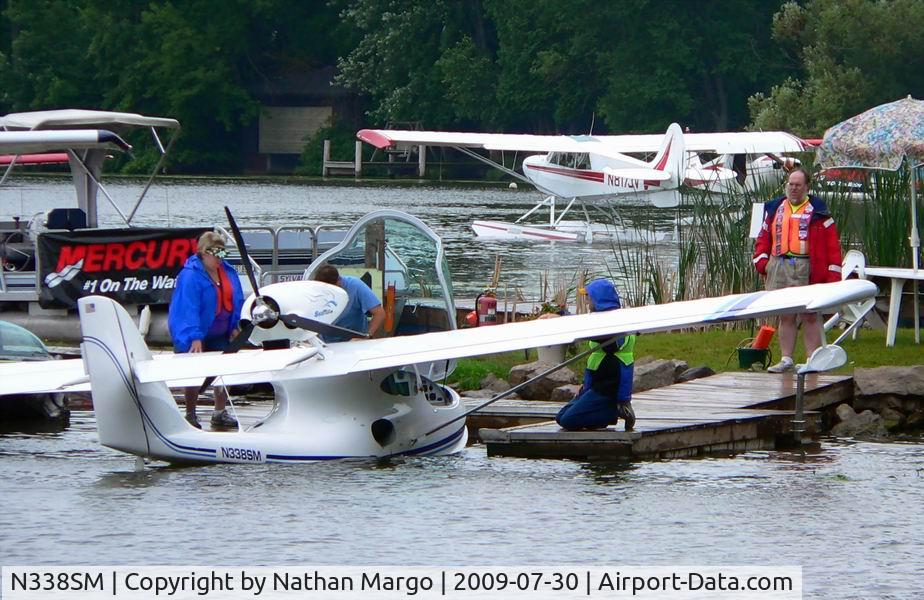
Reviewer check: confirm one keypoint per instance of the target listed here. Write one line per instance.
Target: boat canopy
(32, 142)
(72, 118)
(86, 162)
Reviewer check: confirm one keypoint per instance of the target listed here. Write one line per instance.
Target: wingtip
(374, 138)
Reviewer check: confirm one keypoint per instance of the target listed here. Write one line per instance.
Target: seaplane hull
(377, 413)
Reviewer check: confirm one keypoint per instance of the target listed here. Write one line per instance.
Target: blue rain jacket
(610, 380)
(192, 307)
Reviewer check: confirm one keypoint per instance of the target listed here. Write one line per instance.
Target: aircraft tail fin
(132, 417)
(671, 156)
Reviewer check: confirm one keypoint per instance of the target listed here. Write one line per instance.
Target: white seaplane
(365, 398)
(589, 169)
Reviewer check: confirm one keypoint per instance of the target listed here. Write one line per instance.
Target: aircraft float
(587, 169)
(364, 398)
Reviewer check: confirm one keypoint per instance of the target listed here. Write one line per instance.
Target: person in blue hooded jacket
(204, 313)
(606, 395)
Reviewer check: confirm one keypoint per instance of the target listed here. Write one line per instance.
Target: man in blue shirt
(362, 301)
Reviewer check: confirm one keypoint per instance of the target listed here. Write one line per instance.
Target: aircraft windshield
(402, 261)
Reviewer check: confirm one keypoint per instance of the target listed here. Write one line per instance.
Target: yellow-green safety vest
(624, 354)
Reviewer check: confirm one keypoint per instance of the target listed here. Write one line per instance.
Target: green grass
(714, 348)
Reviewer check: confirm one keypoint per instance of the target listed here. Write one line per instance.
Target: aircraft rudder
(671, 155)
(128, 414)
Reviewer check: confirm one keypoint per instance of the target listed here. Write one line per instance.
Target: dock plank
(728, 412)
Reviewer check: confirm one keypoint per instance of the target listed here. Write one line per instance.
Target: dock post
(358, 159)
(325, 159)
(421, 161)
(798, 421)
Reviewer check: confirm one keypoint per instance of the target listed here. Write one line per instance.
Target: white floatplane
(588, 169)
(365, 398)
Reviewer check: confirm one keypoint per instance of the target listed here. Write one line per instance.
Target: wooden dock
(726, 413)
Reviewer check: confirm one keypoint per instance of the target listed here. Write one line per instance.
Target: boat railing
(283, 253)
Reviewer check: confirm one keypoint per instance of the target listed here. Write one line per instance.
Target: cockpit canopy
(403, 263)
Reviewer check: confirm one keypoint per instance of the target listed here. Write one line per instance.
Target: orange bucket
(764, 337)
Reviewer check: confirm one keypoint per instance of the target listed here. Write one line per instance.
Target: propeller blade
(235, 345)
(242, 248)
(293, 320)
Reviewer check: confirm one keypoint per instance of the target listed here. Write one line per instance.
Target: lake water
(851, 513)
(447, 210)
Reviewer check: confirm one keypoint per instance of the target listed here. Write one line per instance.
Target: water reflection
(610, 472)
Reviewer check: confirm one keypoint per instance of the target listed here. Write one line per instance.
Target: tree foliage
(540, 66)
(853, 55)
(547, 66)
(194, 60)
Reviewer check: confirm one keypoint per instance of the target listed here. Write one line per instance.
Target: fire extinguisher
(486, 307)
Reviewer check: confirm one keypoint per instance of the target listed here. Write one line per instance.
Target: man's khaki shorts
(784, 272)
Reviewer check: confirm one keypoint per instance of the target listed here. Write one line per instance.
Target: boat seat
(66, 218)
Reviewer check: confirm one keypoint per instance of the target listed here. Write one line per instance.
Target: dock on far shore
(725, 413)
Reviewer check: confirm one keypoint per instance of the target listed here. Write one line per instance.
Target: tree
(694, 63)
(408, 51)
(195, 61)
(545, 66)
(854, 54)
(43, 62)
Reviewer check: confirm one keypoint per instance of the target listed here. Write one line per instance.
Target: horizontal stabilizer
(172, 367)
(42, 376)
(700, 175)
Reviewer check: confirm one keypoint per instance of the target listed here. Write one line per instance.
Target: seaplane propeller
(265, 312)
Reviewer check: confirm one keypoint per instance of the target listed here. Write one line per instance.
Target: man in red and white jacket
(798, 245)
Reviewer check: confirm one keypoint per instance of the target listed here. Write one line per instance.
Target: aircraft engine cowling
(312, 299)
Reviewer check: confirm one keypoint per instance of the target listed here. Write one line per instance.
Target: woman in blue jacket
(606, 395)
(204, 314)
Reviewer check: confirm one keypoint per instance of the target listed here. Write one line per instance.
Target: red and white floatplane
(591, 171)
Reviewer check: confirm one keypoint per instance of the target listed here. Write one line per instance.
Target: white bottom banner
(394, 582)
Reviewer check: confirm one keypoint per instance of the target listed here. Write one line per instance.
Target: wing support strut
(519, 387)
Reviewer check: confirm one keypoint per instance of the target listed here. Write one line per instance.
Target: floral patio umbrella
(888, 137)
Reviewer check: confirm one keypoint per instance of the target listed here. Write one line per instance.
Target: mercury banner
(132, 266)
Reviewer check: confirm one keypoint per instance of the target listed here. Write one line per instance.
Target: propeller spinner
(293, 310)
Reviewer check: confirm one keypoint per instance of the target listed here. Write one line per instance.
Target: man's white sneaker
(786, 364)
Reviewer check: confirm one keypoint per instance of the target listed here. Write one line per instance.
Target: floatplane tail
(670, 158)
(131, 416)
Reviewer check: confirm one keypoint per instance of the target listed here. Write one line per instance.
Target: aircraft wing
(396, 352)
(400, 139)
(747, 142)
(43, 377)
(755, 142)
(365, 355)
